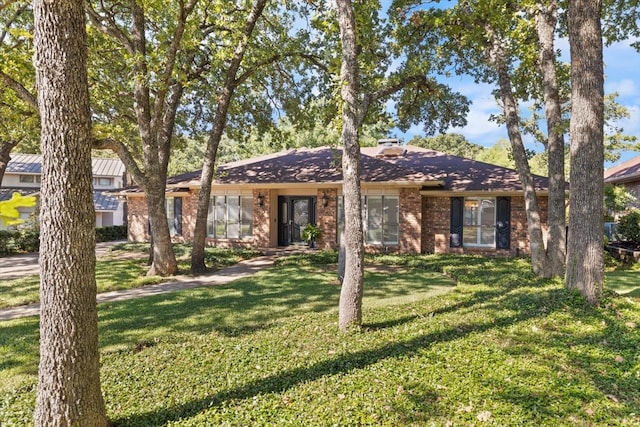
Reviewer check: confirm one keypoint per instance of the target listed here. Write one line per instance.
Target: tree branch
(111, 29)
(370, 98)
(124, 154)
(20, 91)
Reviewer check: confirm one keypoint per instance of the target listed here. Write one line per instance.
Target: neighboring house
(626, 174)
(414, 200)
(23, 175)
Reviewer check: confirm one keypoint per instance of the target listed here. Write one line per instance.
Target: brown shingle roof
(459, 173)
(418, 166)
(624, 172)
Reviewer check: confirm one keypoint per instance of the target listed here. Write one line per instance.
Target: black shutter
(177, 215)
(503, 223)
(457, 214)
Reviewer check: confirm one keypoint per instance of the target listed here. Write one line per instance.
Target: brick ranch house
(626, 174)
(414, 201)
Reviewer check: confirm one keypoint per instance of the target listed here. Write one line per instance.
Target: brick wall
(410, 236)
(261, 218)
(327, 218)
(423, 225)
(435, 224)
(137, 219)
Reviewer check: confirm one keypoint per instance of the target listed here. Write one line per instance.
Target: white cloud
(624, 87)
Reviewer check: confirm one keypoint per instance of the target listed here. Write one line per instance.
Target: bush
(111, 233)
(8, 242)
(628, 229)
(26, 238)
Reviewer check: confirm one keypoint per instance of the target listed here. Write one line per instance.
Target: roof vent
(390, 148)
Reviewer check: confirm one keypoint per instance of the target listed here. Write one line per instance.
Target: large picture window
(230, 217)
(380, 216)
(174, 215)
(479, 221)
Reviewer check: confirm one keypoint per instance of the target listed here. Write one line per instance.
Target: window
(174, 215)
(479, 221)
(230, 217)
(380, 219)
(30, 179)
(103, 182)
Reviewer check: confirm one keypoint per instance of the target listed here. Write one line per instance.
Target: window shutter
(457, 213)
(503, 223)
(177, 214)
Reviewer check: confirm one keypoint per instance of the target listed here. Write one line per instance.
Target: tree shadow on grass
(344, 363)
(246, 305)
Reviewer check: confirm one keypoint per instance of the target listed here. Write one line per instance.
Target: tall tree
(18, 109)
(69, 373)
(451, 143)
(546, 21)
(231, 82)
(143, 60)
(585, 257)
(496, 43)
(350, 307)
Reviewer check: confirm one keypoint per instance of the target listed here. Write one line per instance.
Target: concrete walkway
(17, 266)
(242, 269)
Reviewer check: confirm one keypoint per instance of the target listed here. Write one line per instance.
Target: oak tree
(585, 257)
(68, 391)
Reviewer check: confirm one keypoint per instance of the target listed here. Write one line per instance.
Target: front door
(294, 213)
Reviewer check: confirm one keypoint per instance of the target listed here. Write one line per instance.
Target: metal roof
(7, 192)
(32, 164)
(101, 201)
(104, 202)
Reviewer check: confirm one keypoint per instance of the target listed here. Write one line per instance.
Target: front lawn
(624, 280)
(123, 268)
(500, 348)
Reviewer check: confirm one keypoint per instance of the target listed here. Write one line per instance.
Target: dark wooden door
(294, 213)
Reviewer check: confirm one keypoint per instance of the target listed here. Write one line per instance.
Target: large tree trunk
(585, 258)
(200, 230)
(5, 156)
(539, 260)
(224, 101)
(163, 260)
(546, 21)
(69, 374)
(350, 307)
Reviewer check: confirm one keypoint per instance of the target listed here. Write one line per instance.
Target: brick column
(137, 219)
(410, 220)
(261, 218)
(327, 217)
(189, 212)
(435, 224)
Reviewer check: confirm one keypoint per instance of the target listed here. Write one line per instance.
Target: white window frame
(100, 182)
(380, 222)
(473, 220)
(30, 179)
(227, 212)
(171, 215)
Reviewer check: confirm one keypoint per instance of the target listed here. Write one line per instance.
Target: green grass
(624, 281)
(123, 268)
(500, 348)
(111, 275)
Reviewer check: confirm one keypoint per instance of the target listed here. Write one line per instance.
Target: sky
(622, 66)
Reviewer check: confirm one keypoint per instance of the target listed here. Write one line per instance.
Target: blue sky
(622, 66)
